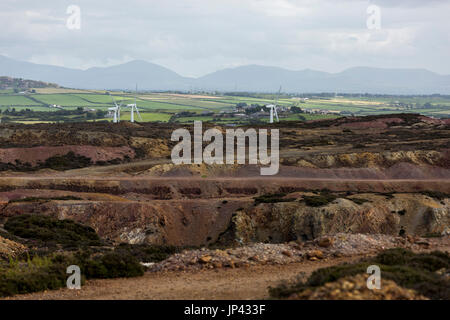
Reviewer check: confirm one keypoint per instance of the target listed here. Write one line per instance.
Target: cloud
(194, 37)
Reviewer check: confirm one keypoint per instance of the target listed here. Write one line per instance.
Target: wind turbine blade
(276, 113)
(278, 96)
(137, 111)
(271, 115)
(114, 101)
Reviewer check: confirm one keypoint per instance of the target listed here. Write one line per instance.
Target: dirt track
(216, 187)
(220, 284)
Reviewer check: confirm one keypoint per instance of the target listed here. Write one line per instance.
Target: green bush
(320, 200)
(52, 231)
(49, 272)
(113, 265)
(46, 270)
(66, 162)
(272, 198)
(33, 275)
(432, 262)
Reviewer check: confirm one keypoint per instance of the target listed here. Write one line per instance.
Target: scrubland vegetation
(54, 244)
(418, 271)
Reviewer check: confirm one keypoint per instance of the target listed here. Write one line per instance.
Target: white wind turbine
(134, 107)
(273, 108)
(116, 110)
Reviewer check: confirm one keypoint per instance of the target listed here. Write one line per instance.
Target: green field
(6, 91)
(35, 108)
(66, 100)
(147, 116)
(98, 98)
(16, 100)
(162, 106)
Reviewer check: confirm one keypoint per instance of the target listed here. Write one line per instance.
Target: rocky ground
(324, 248)
(355, 288)
(135, 217)
(223, 284)
(247, 272)
(347, 188)
(390, 174)
(350, 142)
(10, 249)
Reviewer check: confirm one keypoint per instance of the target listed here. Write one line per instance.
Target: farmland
(164, 107)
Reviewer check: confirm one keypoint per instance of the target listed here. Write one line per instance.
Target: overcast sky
(195, 37)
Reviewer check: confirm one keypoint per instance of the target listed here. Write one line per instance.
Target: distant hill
(125, 76)
(150, 76)
(353, 80)
(22, 84)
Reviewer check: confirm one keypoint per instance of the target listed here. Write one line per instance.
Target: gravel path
(227, 284)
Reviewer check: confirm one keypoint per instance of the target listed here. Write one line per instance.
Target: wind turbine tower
(116, 110)
(134, 108)
(273, 108)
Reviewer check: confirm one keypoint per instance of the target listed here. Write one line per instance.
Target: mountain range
(255, 78)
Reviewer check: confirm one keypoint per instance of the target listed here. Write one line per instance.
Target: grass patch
(358, 201)
(407, 269)
(58, 162)
(272, 198)
(436, 194)
(39, 199)
(66, 162)
(387, 195)
(432, 235)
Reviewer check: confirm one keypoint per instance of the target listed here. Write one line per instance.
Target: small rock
(205, 259)
(315, 253)
(221, 253)
(287, 253)
(300, 244)
(147, 264)
(230, 263)
(325, 242)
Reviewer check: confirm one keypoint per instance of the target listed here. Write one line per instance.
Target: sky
(196, 37)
